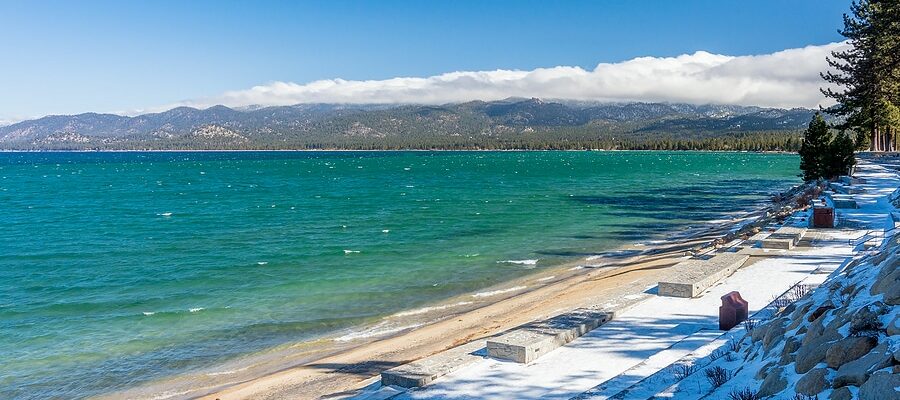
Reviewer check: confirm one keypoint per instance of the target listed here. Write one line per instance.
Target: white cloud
(788, 78)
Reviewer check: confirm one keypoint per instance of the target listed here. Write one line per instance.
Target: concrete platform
(843, 201)
(422, 372)
(756, 240)
(535, 339)
(695, 276)
(784, 238)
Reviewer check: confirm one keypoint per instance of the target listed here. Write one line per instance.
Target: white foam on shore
(547, 278)
(234, 371)
(519, 262)
(425, 310)
(375, 331)
(496, 292)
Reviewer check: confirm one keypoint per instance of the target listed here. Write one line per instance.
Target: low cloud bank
(788, 78)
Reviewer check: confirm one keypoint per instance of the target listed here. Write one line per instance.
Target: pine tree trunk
(874, 145)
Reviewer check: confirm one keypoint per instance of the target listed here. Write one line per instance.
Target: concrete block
(422, 372)
(756, 240)
(531, 341)
(842, 201)
(695, 276)
(785, 237)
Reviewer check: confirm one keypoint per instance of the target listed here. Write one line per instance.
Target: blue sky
(77, 56)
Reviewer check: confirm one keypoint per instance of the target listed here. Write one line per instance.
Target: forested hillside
(508, 124)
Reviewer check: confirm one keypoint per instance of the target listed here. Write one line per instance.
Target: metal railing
(873, 234)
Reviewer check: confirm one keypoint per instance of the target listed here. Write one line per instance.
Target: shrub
(734, 345)
(682, 371)
(749, 324)
(717, 376)
(743, 394)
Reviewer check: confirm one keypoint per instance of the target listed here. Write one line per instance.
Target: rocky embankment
(841, 341)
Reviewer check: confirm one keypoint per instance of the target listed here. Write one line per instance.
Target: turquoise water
(118, 268)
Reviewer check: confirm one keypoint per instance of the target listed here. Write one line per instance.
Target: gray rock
(774, 335)
(812, 353)
(841, 318)
(813, 382)
(848, 349)
(773, 383)
(856, 372)
(888, 283)
(893, 328)
(787, 352)
(815, 330)
(880, 386)
(819, 311)
(762, 372)
(841, 394)
(866, 318)
(760, 331)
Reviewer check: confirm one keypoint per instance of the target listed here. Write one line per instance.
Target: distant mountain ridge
(511, 123)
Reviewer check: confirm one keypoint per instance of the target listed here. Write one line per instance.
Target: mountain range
(505, 124)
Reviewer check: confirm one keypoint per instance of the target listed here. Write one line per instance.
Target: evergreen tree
(840, 158)
(815, 149)
(868, 74)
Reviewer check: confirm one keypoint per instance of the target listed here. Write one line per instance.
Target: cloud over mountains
(787, 78)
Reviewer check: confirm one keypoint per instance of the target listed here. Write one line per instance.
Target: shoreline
(388, 151)
(339, 363)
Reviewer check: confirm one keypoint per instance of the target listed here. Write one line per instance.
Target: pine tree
(815, 149)
(868, 74)
(840, 157)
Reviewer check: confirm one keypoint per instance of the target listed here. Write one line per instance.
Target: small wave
(351, 251)
(375, 331)
(496, 292)
(148, 313)
(520, 262)
(425, 310)
(229, 372)
(169, 395)
(196, 309)
(262, 262)
(165, 214)
(385, 230)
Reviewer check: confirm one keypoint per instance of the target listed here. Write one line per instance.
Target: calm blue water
(118, 268)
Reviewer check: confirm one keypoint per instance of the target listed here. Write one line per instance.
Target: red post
(734, 310)
(823, 217)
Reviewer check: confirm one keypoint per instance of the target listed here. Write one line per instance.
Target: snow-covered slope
(842, 341)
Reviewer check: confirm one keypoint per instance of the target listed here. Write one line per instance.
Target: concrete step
(842, 201)
(532, 340)
(756, 240)
(695, 275)
(422, 372)
(785, 238)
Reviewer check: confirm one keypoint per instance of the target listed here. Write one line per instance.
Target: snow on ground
(654, 333)
(634, 336)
